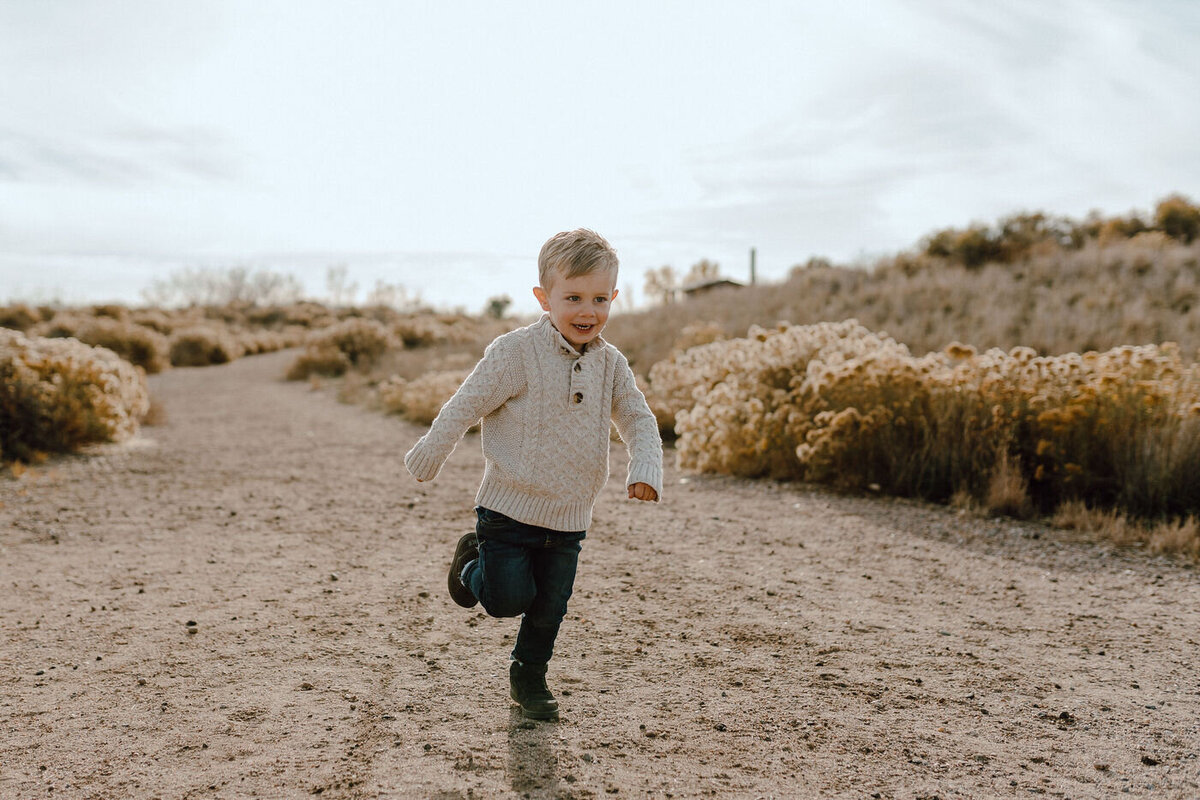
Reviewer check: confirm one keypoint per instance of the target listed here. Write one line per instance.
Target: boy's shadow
(532, 763)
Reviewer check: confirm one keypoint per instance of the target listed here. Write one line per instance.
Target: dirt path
(740, 639)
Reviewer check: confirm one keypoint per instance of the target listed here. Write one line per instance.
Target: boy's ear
(542, 297)
(616, 291)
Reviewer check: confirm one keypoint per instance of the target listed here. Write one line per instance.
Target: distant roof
(711, 283)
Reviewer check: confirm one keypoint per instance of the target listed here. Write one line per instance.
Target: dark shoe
(467, 551)
(528, 689)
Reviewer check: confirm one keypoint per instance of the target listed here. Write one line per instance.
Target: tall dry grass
(1180, 535)
(1144, 290)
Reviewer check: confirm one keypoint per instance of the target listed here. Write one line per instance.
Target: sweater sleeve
(493, 381)
(638, 429)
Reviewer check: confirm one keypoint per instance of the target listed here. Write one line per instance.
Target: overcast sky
(438, 144)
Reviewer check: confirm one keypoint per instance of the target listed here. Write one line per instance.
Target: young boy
(546, 394)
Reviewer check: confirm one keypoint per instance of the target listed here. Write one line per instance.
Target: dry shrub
(327, 361)
(110, 311)
(135, 343)
(1100, 523)
(836, 403)
(264, 341)
(305, 314)
(732, 401)
(1180, 536)
(677, 383)
(19, 317)
(1072, 515)
(362, 341)
(61, 325)
(421, 399)
(155, 319)
(411, 363)
(60, 394)
(964, 501)
(266, 316)
(427, 330)
(256, 342)
(696, 334)
(203, 345)
(1008, 490)
(460, 348)
(421, 331)
(1124, 432)
(331, 351)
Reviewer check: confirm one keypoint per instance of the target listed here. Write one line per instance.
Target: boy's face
(578, 306)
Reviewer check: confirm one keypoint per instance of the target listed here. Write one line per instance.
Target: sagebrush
(57, 395)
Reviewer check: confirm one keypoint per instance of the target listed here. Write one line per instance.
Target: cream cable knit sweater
(546, 411)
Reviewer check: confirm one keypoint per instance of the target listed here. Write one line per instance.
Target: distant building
(704, 287)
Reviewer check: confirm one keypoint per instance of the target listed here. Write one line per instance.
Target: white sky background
(438, 144)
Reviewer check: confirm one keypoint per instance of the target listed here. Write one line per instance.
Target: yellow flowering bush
(60, 394)
(731, 399)
(837, 403)
(1127, 434)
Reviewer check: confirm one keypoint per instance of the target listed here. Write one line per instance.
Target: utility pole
(753, 258)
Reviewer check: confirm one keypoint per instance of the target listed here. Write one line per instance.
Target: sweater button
(578, 367)
(578, 397)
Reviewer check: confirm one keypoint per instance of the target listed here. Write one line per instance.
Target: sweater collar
(560, 342)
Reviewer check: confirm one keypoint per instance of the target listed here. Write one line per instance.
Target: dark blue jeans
(524, 569)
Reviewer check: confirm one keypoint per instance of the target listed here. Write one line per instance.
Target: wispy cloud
(963, 112)
(125, 158)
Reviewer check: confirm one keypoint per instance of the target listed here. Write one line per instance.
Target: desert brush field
(930, 528)
(248, 600)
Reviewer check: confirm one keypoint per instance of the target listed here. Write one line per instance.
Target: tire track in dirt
(740, 639)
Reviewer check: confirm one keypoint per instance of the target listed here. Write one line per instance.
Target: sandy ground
(740, 639)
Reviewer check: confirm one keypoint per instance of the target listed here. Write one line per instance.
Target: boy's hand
(643, 491)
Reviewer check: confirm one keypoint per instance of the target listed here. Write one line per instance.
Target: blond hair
(575, 253)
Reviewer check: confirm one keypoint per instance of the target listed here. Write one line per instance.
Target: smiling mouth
(583, 327)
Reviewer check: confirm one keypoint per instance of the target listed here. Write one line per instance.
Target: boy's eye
(574, 298)
(601, 298)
